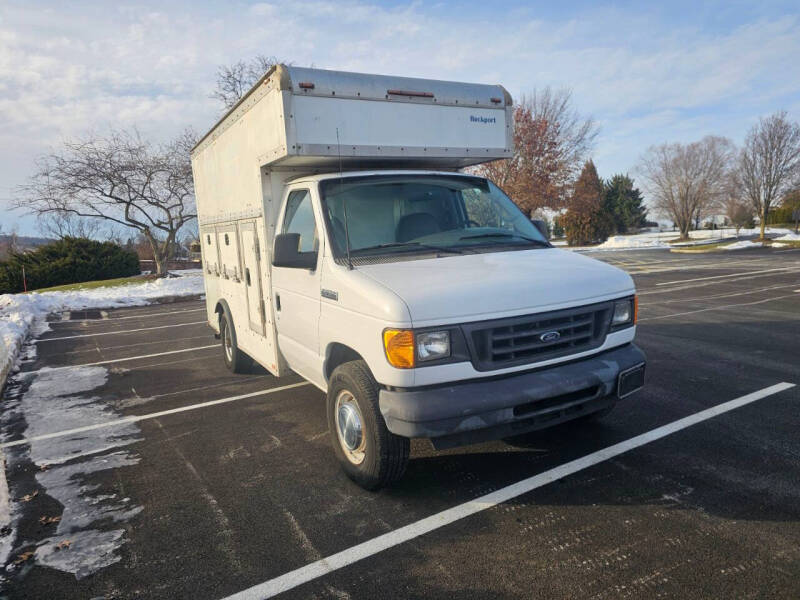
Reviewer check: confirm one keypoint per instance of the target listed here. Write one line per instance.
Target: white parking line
(724, 276)
(699, 284)
(700, 310)
(717, 296)
(136, 418)
(145, 315)
(371, 547)
(116, 360)
(85, 335)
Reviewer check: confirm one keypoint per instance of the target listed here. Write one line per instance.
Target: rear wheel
(368, 452)
(236, 360)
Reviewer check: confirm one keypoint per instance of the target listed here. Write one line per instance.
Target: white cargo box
(301, 117)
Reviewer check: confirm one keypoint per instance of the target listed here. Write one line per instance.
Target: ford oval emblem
(550, 336)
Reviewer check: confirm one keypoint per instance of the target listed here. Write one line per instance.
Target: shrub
(69, 260)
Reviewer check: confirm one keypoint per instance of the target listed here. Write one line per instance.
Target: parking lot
(138, 466)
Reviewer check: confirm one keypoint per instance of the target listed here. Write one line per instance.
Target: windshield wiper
(410, 246)
(507, 235)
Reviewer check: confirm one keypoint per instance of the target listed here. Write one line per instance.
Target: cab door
(296, 291)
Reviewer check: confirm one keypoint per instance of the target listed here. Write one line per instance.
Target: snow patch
(626, 242)
(22, 315)
(88, 551)
(789, 237)
(743, 245)
(57, 400)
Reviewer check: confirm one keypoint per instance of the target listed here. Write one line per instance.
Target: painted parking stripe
(699, 284)
(144, 315)
(162, 413)
(117, 360)
(702, 310)
(371, 547)
(724, 276)
(86, 335)
(717, 296)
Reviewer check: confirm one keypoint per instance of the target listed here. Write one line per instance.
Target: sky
(648, 74)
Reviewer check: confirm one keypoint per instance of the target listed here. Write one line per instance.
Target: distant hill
(27, 242)
(23, 243)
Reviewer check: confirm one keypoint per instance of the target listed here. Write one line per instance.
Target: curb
(12, 360)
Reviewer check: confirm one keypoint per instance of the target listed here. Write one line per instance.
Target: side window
(299, 218)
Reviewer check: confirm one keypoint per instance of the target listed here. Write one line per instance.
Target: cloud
(69, 68)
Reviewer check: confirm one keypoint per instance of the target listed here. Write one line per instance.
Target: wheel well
(338, 354)
(221, 308)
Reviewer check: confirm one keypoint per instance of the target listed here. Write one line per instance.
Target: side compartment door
(210, 252)
(251, 265)
(229, 268)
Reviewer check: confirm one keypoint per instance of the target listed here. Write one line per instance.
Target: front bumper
(475, 411)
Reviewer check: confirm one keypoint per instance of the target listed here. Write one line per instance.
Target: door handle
(278, 302)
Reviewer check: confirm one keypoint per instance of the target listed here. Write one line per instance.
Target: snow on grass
(789, 237)
(667, 239)
(626, 242)
(743, 245)
(24, 314)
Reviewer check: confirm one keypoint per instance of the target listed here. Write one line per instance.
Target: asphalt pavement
(139, 467)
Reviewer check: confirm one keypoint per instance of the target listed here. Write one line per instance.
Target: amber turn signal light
(399, 347)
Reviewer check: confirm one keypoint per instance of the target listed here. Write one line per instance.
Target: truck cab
(424, 303)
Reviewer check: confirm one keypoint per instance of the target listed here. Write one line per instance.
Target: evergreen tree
(624, 204)
(585, 221)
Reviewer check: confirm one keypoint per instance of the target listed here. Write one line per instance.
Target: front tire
(370, 454)
(236, 360)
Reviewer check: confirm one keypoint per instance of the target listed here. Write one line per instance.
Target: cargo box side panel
(395, 129)
(228, 187)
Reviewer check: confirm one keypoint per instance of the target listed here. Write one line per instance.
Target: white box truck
(340, 241)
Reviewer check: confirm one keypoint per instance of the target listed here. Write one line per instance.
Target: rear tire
(236, 360)
(370, 454)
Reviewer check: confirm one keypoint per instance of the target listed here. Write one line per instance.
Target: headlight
(624, 312)
(433, 344)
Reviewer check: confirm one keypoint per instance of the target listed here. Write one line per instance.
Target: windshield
(405, 214)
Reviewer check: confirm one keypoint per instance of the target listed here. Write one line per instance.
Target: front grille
(519, 340)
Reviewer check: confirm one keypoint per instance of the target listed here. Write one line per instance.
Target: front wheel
(369, 453)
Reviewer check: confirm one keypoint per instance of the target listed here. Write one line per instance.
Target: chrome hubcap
(228, 344)
(350, 427)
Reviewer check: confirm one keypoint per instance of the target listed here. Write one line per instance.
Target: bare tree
(61, 225)
(9, 242)
(551, 143)
(120, 179)
(234, 81)
(687, 181)
(769, 163)
(737, 208)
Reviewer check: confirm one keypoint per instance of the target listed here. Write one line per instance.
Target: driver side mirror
(286, 253)
(542, 227)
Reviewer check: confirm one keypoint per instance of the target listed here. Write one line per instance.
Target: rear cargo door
(251, 265)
